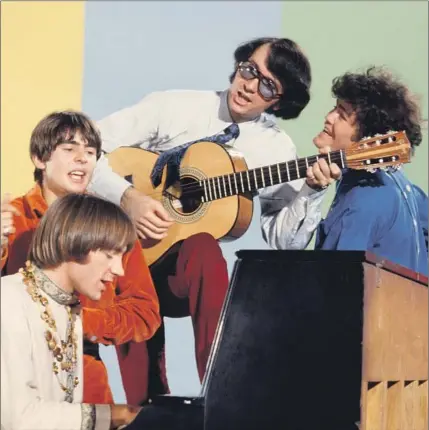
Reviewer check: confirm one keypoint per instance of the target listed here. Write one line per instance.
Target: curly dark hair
(289, 65)
(381, 103)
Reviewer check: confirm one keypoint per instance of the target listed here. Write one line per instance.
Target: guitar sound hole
(190, 199)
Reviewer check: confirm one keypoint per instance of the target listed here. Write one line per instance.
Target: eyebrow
(258, 69)
(73, 142)
(342, 107)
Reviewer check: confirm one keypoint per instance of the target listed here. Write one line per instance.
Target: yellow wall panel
(41, 71)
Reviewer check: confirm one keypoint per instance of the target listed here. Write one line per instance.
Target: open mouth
(242, 97)
(108, 281)
(103, 285)
(77, 176)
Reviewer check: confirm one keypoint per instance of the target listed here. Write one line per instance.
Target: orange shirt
(127, 311)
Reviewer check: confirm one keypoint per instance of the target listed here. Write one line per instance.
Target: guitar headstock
(380, 151)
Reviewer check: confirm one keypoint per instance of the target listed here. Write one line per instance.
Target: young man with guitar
(270, 76)
(381, 211)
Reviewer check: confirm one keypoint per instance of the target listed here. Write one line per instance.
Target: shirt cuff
(88, 416)
(311, 193)
(103, 417)
(111, 190)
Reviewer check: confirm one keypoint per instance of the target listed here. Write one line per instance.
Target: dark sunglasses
(266, 87)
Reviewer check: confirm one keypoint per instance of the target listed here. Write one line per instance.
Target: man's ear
(38, 164)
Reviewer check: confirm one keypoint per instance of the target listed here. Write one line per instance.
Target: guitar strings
(290, 166)
(195, 186)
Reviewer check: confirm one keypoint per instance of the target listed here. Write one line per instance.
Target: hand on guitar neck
(321, 174)
(149, 216)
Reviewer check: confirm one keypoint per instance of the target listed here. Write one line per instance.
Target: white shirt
(290, 212)
(31, 396)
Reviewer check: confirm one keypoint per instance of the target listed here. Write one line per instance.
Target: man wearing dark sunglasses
(271, 76)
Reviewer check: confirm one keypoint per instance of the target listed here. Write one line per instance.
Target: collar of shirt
(34, 203)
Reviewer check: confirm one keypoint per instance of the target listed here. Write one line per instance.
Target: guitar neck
(252, 180)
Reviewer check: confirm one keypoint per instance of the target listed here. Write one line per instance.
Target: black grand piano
(288, 349)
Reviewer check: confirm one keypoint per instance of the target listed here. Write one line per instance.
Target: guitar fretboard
(251, 180)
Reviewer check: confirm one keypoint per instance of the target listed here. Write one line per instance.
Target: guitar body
(227, 218)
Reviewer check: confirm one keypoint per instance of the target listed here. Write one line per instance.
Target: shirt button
(408, 188)
(93, 338)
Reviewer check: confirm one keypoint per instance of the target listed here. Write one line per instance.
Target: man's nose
(81, 156)
(251, 86)
(117, 267)
(331, 117)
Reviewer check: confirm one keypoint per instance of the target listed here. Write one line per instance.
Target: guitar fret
(235, 181)
(262, 177)
(219, 188)
(214, 188)
(279, 173)
(306, 162)
(329, 157)
(248, 180)
(203, 183)
(210, 189)
(224, 188)
(242, 183)
(297, 168)
(287, 171)
(342, 159)
(230, 186)
(271, 176)
(256, 179)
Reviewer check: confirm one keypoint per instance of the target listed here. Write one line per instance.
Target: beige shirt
(31, 396)
(290, 212)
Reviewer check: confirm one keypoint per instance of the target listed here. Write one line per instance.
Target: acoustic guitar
(215, 191)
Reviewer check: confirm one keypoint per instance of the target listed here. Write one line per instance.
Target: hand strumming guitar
(149, 216)
(321, 174)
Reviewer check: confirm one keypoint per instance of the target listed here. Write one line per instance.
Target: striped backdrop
(102, 56)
